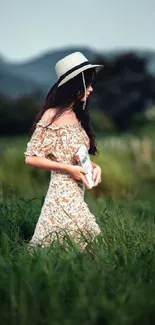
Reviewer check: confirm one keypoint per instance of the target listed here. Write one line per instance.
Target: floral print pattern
(64, 210)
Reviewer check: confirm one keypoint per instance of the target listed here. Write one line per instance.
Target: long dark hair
(71, 92)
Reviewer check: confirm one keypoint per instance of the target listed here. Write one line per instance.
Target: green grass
(126, 172)
(111, 283)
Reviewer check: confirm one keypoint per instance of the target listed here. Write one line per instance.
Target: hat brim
(97, 67)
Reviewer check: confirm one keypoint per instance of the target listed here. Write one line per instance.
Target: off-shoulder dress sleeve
(42, 142)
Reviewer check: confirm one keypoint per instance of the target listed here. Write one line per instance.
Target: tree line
(124, 89)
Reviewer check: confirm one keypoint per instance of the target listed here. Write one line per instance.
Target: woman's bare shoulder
(48, 114)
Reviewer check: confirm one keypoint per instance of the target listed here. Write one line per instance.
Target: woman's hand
(97, 175)
(78, 173)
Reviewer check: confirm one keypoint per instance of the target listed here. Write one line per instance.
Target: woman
(53, 146)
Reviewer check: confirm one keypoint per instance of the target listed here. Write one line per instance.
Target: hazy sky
(30, 27)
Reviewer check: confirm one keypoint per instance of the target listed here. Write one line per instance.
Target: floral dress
(64, 211)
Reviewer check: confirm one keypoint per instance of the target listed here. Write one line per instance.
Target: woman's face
(89, 89)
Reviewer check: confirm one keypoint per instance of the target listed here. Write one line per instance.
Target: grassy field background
(127, 163)
(111, 283)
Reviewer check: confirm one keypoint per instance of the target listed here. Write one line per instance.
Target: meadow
(113, 282)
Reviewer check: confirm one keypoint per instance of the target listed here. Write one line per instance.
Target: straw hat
(72, 65)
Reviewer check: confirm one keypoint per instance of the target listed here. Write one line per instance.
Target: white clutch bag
(83, 159)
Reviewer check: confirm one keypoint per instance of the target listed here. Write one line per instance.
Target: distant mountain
(14, 85)
(151, 62)
(38, 74)
(42, 68)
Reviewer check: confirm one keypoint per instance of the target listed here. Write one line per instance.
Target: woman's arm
(96, 173)
(93, 164)
(45, 163)
(77, 172)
